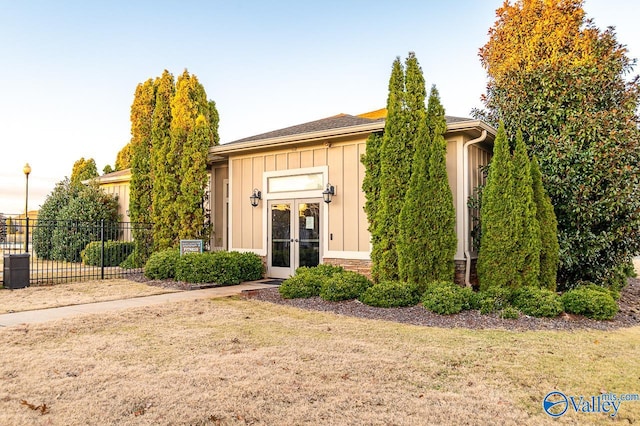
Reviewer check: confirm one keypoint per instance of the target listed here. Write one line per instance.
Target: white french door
(294, 230)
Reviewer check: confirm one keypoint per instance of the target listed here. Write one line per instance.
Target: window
(306, 182)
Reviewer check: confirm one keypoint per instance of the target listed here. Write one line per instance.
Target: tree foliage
(141, 185)
(561, 81)
(396, 154)
(549, 248)
(371, 181)
(163, 170)
(427, 238)
(123, 159)
(83, 170)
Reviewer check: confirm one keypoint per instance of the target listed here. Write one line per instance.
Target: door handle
(296, 240)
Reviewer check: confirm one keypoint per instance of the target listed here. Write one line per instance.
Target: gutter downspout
(465, 191)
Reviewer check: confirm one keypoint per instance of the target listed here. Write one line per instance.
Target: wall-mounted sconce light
(255, 197)
(328, 193)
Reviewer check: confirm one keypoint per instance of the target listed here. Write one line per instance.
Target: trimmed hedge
(494, 299)
(391, 294)
(591, 301)
(220, 267)
(446, 298)
(345, 285)
(162, 264)
(115, 252)
(537, 302)
(307, 282)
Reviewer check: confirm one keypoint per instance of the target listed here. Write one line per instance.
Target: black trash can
(16, 270)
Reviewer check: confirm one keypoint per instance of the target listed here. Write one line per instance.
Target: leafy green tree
(107, 169)
(561, 80)
(141, 186)
(123, 159)
(83, 170)
(427, 238)
(549, 248)
(396, 155)
(526, 254)
(48, 215)
(78, 222)
(163, 168)
(214, 122)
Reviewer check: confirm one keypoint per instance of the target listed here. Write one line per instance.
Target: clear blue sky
(68, 69)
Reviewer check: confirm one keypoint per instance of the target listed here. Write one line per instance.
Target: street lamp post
(26, 169)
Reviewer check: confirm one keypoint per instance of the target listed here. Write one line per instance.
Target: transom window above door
(292, 183)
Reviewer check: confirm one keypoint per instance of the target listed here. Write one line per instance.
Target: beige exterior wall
(121, 190)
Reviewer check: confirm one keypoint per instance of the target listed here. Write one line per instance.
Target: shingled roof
(335, 122)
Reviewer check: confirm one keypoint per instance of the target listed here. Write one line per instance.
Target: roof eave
(303, 138)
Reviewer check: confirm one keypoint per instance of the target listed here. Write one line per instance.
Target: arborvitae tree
(566, 84)
(194, 179)
(526, 255)
(395, 171)
(163, 166)
(495, 259)
(83, 170)
(190, 144)
(141, 186)
(371, 181)
(549, 248)
(427, 239)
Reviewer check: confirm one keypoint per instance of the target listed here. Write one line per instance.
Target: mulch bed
(628, 316)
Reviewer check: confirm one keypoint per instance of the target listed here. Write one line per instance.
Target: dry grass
(40, 297)
(228, 361)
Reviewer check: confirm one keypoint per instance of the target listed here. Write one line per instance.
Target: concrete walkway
(44, 315)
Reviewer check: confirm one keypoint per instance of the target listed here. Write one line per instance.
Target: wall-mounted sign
(190, 246)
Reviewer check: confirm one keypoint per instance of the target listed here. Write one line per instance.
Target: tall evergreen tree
(526, 253)
(141, 186)
(495, 260)
(194, 179)
(214, 121)
(123, 158)
(189, 148)
(163, 167)
(549, 248)
(427, 238)
(395, 171)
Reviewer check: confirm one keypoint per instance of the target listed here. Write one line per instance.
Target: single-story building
(293, 219)
(294, 196)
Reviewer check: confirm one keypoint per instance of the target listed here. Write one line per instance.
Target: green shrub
(391, 294)
(471, 299)
(494, 299)
(591, 302)
(537, 302)
(115, 252)
(323, 270)
(162, 264)
(219, 267)
(301, 286)
(250, 265)
(509, 312)
(444, 298)
(344, 286)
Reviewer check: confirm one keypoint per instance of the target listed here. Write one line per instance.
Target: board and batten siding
(347, 223)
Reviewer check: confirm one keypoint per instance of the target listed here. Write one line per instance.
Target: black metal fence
(65, 251)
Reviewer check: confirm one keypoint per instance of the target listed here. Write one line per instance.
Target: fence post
(102, 249)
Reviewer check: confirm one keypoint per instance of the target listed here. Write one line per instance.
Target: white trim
(355, 255)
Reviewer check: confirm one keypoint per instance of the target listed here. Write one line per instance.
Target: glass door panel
(308, 234)
(281, 235)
